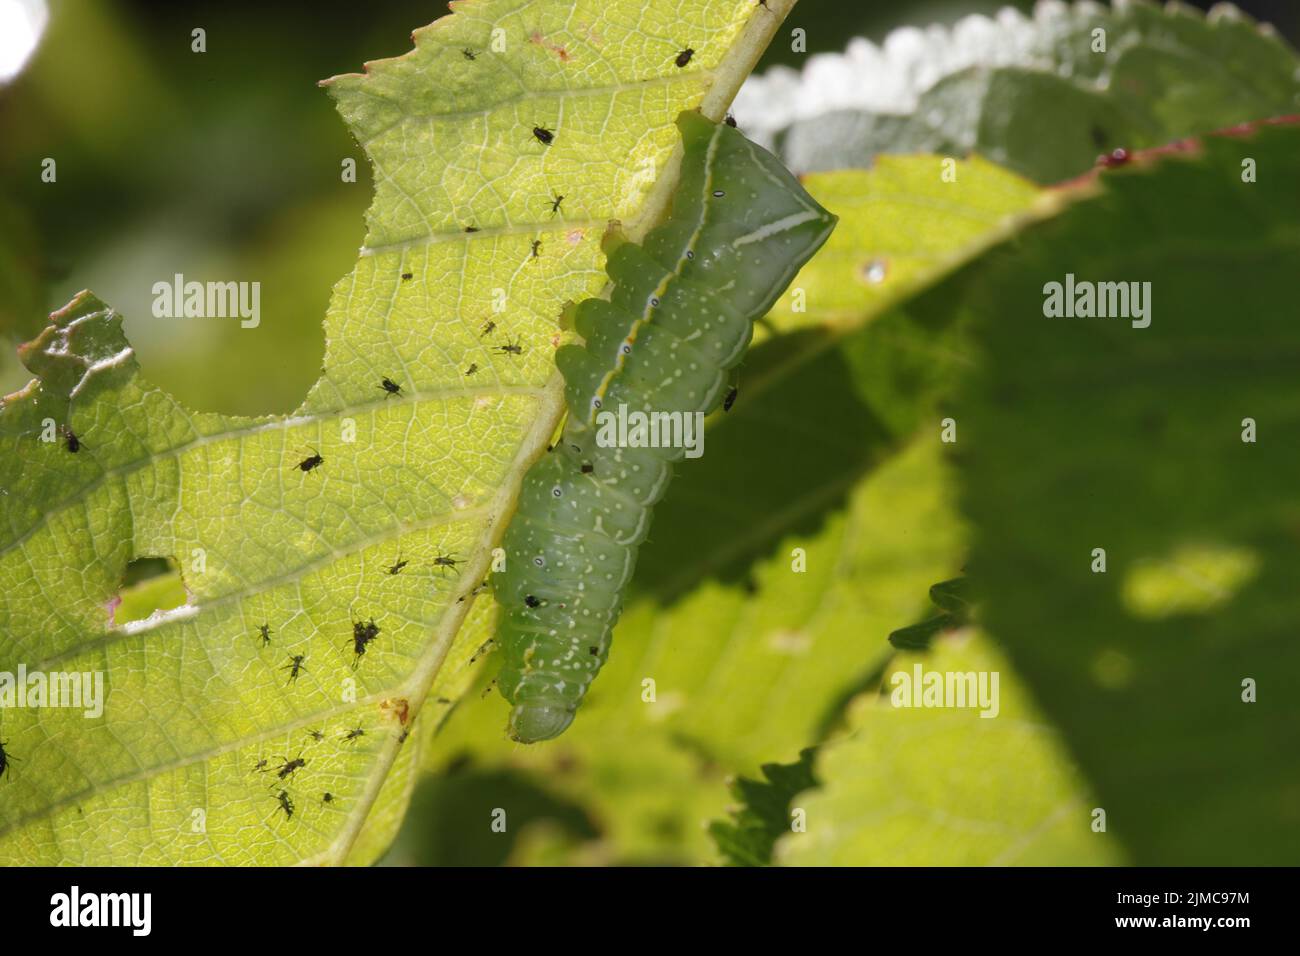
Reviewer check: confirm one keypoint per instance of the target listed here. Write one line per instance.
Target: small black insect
(406, 732)
(545, 136)
(290, 767)
(264, 631)
(397, 567)
(684, 57)
(260, 766)
(488, 327)
(294, 667)
(555, 203)
(469, 54)
(731, 121)
(391, 387)
(594, 651)
(312, 461)
(407, 276)
(513, 348)
(473, 367)
(353, 734)
(588, 468)
(70, 440)
(285, 804)
(446, 561)
(730, 399)
(532, 601)
(537, 245)
(326, 798)
(471, 228)
(5, 759)
(362, 635)
(316, 735)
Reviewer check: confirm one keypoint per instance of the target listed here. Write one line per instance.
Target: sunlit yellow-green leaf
(904, 224)
(947, 786)
(291, 534)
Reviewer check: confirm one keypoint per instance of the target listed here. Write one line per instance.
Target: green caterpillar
(680, 315)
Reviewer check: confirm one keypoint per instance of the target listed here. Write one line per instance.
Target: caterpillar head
(536, 720)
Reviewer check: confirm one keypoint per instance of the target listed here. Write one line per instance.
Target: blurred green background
(227, 164)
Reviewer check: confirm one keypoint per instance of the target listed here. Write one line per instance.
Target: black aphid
(312, 461)
(285, 804)
(391, 387)
(5, 759)
(294, 667)
(684, 57)
(290, 767)
(545, 136)
(362, 635)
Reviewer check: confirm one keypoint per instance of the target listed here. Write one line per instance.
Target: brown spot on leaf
(396, 707)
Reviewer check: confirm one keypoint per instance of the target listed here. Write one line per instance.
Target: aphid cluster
(287, 769)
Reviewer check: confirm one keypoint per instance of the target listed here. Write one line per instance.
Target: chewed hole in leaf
(150, 584)
(1192, 579)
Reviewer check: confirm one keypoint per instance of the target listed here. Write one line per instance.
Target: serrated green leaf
(1089, 433)
(1038, 95)
(196, 700)
(764, 811)
(952, 598)
(931, 786)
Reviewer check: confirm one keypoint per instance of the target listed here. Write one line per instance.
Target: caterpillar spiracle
(680, 315)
